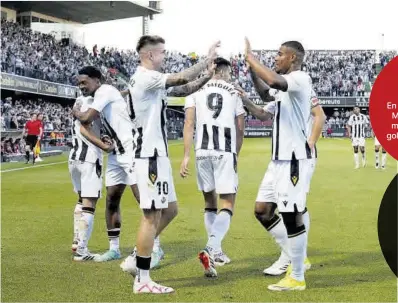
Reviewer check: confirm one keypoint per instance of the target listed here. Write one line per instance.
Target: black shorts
(31, 140)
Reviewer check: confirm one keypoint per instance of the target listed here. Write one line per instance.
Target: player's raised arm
(266, 74)
(86, 131)
(189, 125)
(193, 72)
(240, 125)
(261, 87)
(318, 122)
(255, 110)
(193, 86)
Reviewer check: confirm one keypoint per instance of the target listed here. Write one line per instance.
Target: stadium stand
(37, 55)
(335, 73)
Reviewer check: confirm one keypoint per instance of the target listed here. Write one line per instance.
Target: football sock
(86, 226)
(209, 216)
(113, 235)
(356, 158)
(219, 230)
(383, 158)
(278, 231)
(298, 251)
(377, 158)
(143, 265)
(76, 219)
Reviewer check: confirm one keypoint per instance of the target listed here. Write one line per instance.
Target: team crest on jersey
(152, 177)
(294, 180)
(163, 200)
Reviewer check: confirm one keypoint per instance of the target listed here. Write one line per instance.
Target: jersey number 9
(214, 103)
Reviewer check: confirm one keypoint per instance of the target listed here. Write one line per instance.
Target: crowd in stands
(11, 147)
(33, 54)
(57, 121)
(15, 113)
(37, 55)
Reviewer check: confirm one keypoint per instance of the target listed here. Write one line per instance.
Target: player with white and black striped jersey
(110, 107)
(265, 212)
(148, 89)
(356, 127)
(285, 183)
(85, 168)
(217, 112)
(129, 264)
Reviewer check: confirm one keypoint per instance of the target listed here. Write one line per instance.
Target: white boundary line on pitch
(23, 168)
(55, 163)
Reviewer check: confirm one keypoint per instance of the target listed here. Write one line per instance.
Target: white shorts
(311, 171)
(377, 143)
(286, 184)
(216, 170)
(120, 170)
(86, 178)
(155, 182)
(358, 142)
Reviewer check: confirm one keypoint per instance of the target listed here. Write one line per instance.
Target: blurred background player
(37, 149)
(356, 131)
(32, 132)
(219, 115)
(85, 168)
(377, 155)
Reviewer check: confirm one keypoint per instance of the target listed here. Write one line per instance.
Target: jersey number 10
(162, 187)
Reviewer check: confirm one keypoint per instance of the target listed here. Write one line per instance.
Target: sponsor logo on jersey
(215, 158)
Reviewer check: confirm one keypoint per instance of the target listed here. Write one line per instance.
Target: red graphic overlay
(383, 106)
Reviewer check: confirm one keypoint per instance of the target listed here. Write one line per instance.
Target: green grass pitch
(37, 207)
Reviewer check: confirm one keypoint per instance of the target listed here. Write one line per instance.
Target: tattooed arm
(255, 110)
(193, 72)
(186, 75)
(193, 86)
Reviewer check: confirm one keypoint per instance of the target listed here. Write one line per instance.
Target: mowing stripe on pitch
(55, 163)
(35, 166)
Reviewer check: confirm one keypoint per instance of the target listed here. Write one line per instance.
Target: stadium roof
(83, 11)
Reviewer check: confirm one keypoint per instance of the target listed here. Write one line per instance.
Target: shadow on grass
(318, 277)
